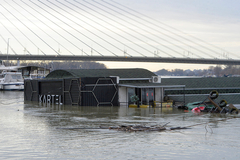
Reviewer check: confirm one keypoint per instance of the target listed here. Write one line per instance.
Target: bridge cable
(31, 30)
(142, 15)
(148, 22)
(8, 44)
(216, 47)
(21, 32)
(157, 31)
(93, 26)
(37, 25)
(141, 18)
(85, 28)
(113, 26)
(13, 34)
(62, 27)
(124, 31)
(121, 29)
(68, 25)
(136, 31)
(48, 25)
(115, 54)
(109, 30)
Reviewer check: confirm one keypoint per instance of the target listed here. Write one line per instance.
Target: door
(147, 96)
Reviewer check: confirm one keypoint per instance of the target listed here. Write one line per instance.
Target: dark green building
(197, 89)
(95, 87)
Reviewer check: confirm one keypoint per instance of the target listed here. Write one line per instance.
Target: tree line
(218, 71)
(53, 65)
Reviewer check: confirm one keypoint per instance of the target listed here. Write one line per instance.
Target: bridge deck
(122, 58)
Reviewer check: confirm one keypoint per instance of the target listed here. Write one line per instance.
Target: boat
(28, 72)
(12, 77)
(11, 81)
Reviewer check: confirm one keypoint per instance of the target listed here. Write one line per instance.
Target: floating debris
(137, 128)
(134, 128)
(142, 128)
(176, 128)
(210, 106)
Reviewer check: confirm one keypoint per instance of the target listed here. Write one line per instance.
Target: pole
(161, 96)
(7, 49)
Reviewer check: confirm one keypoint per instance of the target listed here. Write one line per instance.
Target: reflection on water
(31, 130)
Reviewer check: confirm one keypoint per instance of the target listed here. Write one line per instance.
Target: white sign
(54, 99)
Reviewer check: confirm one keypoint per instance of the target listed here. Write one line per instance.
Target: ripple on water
(30, 131)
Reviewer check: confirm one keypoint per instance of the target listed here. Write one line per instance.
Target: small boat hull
(12, 87)
(11, 81)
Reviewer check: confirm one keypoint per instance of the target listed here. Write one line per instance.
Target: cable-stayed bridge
(97, 30)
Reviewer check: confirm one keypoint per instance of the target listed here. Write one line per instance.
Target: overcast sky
(216, 22)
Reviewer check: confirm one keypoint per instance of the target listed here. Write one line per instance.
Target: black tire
(223, 103)
(213, 94)
(234, 111)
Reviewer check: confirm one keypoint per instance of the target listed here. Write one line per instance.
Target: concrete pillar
(159, 94)
(122, 96)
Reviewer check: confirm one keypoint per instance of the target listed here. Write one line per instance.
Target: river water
(34, 131)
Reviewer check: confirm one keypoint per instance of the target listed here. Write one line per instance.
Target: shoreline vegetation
(212, 71)
(53, 65)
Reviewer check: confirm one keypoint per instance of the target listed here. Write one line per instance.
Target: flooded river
(32, 130)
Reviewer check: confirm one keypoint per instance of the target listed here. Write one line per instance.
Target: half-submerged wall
(198, 89)
(87, 91)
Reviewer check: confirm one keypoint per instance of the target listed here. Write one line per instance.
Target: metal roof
(149, 85)
(208, 82)
(122, 73)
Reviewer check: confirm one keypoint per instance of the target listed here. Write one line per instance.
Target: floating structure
(98, 87)
(28, 72)
(137, 88)
(12, 77)
(33, 72)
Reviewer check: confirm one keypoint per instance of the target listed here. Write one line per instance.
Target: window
(131, 92)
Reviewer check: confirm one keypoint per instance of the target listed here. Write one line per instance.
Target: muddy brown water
(33, 130)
